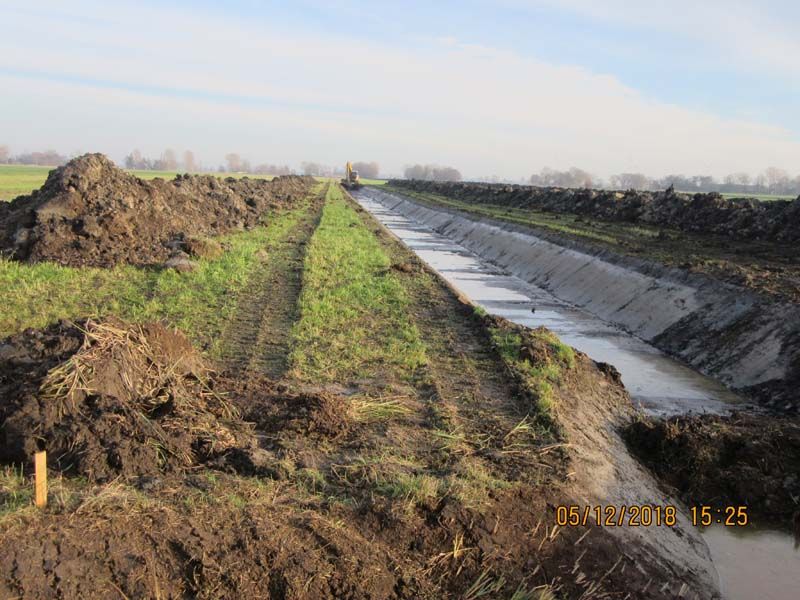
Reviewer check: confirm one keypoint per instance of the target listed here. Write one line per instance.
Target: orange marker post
(40, 463)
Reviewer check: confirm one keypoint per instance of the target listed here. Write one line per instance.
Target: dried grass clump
(133, 400)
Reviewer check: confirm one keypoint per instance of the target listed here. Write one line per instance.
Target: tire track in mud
(258, 338)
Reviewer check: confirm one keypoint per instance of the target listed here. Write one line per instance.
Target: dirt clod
(179, 261)
(202, 248)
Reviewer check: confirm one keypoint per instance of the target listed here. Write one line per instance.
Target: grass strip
(199, 302)
(354, 310)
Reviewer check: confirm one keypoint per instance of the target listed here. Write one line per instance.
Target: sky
(499, 88)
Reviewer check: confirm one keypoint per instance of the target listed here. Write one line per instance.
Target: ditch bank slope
(744, 340)
(743, 218)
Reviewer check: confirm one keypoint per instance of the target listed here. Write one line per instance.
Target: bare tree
(777, 180)
(432, 173)
(370, 170)
(189, 163)
(5, 154)
(234, 162)
(630, 181)
(48, 158)
(740, 179)
(168, 160)
(312, 168)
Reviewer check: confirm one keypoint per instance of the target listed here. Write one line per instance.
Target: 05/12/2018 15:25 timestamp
(648, 515)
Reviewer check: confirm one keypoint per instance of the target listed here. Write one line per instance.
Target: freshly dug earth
(704, 213)
(90, 213)
(108, 399)
(736, 460)
(437, 480)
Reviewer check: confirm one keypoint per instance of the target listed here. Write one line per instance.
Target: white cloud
(756, 35)
(285, 94)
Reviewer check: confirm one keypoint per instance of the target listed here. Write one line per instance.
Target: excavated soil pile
(90, 213)
(736, 460)
(108, 399)
(703, 213)
(275, 409)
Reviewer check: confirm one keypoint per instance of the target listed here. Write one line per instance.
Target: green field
(764, 197)
(16, 180)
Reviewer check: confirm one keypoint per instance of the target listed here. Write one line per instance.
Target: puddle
(751, 563)
(754, 563)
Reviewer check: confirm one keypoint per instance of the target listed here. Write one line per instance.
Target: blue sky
(493, 88)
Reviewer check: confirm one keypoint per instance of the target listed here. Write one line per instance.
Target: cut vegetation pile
(108, 399)
(90, 213)
(701, 213)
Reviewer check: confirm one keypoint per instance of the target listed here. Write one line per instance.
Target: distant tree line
(370, 170)
(48, 158)
(168, 161)
(771, 181)
(432, 173)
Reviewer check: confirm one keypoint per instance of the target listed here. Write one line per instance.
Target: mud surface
(90, 213)
(314, 522)
(705, 213)
(109, 399)
(737, 460)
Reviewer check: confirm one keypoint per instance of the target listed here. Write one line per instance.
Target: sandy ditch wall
(726, 332)
(744, 218)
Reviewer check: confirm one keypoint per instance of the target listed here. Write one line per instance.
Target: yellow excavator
(350, 179)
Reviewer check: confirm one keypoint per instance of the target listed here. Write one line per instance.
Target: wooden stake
(40, 462)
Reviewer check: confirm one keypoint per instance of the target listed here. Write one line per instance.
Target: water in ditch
(751, 563)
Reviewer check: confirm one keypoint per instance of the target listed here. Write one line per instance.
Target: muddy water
(751, 563)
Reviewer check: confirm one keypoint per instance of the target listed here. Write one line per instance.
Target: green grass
(199, 303)
(416, 488)
(16, 492)
(16, 180)
(764, 197)
(539, 377)
(354, 310)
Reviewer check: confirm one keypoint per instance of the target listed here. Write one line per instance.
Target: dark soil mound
(275, 409)
(705, 213)
(742, 459)
(109, 398)
(91, 213)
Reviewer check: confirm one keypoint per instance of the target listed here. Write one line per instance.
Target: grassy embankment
(17, 180)
(200, 303)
